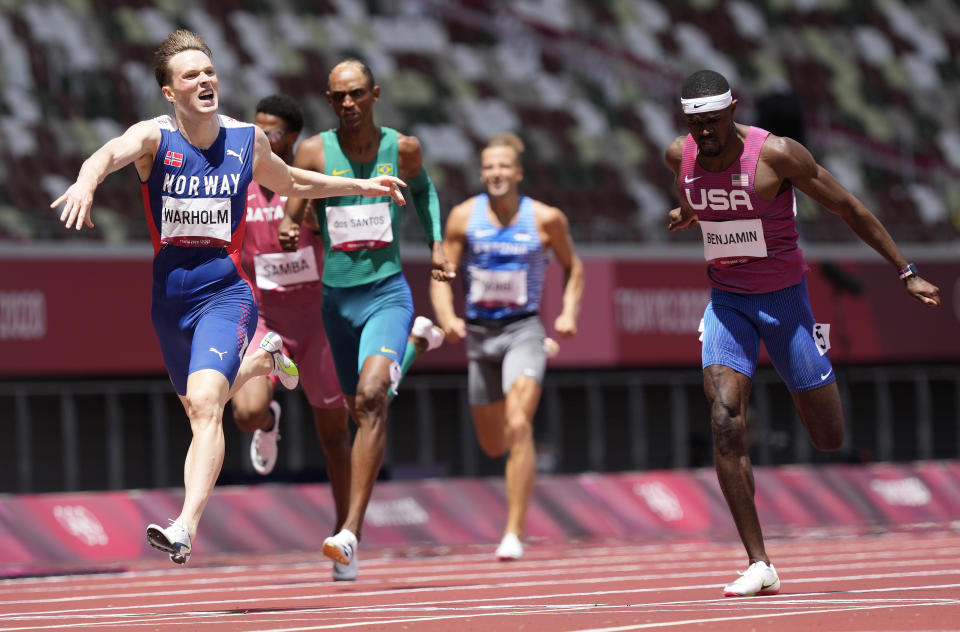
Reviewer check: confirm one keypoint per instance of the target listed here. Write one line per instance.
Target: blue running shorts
(734, 324)
(204, 330)
(365, 320)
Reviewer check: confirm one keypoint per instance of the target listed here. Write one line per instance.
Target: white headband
(706, 104)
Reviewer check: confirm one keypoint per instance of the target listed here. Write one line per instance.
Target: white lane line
(553, 577)
(390, 567)
(792, 554)
(646, 626)
(526, 609)
(491, 571)
(673, 624)
(260, 601)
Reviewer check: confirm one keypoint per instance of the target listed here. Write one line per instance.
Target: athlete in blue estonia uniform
(502, 238)
(204, 311)
(508, 248)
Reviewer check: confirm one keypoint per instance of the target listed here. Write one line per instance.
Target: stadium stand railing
(121, 434)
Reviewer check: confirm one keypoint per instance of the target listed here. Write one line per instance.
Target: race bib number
(734, 241)
(276, 269)
(821, 336)
(195, 221)
(359, 226)
(498, 287)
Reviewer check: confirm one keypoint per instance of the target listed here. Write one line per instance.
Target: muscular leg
(727, 395)
(253, 365)
(251, 405)
(334, 434)
(521, 470)
(507, 425)
(204, 402)
(489, 422)
(822, 415)
(369, 410)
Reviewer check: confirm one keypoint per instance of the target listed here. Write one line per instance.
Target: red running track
(879, 583)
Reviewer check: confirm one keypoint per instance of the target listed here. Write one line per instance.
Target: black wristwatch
(909, 272)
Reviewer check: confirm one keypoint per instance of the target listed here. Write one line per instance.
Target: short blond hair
(176, 42)
(506, 139)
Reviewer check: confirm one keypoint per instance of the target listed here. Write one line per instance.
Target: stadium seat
(587, 83)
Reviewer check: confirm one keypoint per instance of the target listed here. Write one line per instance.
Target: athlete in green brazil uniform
(367, 306)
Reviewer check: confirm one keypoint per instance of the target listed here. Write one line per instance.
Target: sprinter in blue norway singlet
(203, 309)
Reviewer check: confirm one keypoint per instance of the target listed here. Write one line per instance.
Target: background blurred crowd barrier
(625, 394)
(64, 314)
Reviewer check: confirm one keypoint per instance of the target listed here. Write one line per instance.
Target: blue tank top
(195, 201)
(504, 266)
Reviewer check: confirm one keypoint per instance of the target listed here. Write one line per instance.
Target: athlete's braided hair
(704, 83)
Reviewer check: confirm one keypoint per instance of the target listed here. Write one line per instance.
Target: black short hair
(284, 107)
(704, 83)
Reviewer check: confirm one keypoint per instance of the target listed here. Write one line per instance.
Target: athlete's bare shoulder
(786, 157)
(410, 155)
(310, 154)
(407, 143)
(144, 138)
(458, 219)
(674, 153)
(464, 208)
(548, 216)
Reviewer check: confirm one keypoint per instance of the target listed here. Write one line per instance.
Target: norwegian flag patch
(173, 159)
(739, 180)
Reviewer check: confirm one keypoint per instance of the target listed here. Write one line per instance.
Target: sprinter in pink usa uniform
(737, 182)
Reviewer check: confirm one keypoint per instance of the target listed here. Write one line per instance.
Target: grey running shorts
(498, 355)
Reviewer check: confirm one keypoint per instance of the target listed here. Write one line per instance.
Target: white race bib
(195, 221)
(736, 239)
(821, 336)
(498, 287)
(275, 269)
(359, 226)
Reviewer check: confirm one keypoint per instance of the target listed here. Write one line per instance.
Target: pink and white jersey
(271, 268)
(750, 245)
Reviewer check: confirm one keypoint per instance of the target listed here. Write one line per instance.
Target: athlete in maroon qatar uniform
(289, 294)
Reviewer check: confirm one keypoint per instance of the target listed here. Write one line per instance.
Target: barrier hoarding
(90, 316)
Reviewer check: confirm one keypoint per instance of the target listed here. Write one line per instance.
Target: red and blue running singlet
(203, 308)
(196, 197)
